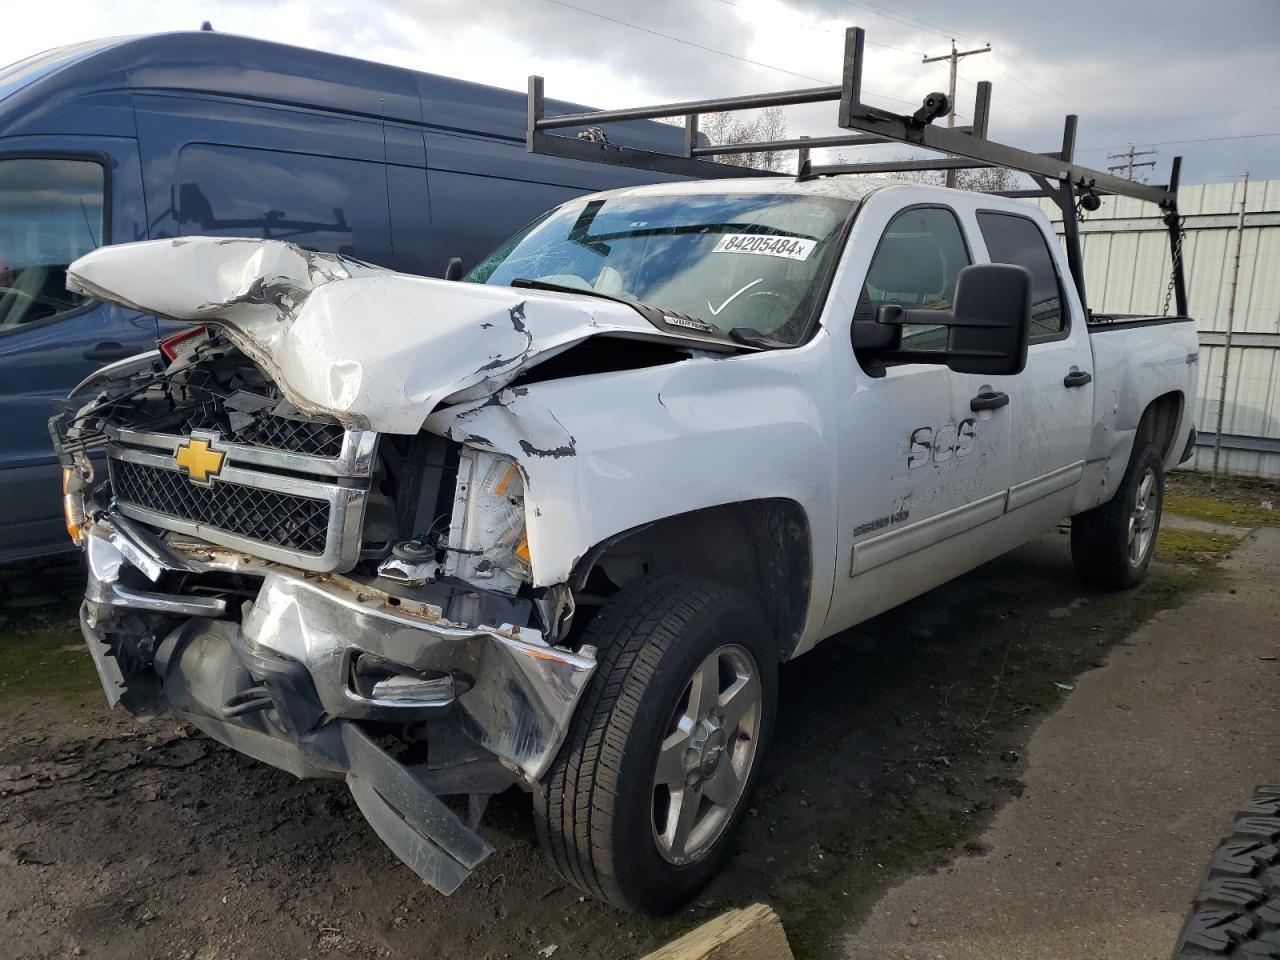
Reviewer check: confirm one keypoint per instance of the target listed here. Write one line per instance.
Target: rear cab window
(52, 211)
(915, 266)
(1011, 238)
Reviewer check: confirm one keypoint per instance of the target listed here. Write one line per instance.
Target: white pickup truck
(556, 526)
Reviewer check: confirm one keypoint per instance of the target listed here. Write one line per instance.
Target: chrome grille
(296, 508)
(284, 520)
(297, 436)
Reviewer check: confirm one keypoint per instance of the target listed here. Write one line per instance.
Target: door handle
(109, 350)
(1077, 378)
(989, 400)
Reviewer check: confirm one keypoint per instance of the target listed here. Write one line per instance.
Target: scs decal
(941, 444)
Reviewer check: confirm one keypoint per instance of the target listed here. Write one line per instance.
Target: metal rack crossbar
(1056, 174)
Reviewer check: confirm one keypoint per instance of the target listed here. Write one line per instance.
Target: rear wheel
(1112, 545)
(641, 803)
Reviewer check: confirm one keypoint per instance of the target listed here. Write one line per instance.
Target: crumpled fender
(605, 453)
(342, 338)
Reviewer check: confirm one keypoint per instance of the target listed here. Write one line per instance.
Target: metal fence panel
(1126, 263)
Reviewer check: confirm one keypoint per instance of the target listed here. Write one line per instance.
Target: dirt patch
(895, 743)
(1195, 548)
(1240, 502)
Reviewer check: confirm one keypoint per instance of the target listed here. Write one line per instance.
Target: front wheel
(641, 803)
(1112, 545)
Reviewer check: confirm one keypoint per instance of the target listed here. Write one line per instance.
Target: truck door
(923, 474)
(1052, 415)
(54, 207)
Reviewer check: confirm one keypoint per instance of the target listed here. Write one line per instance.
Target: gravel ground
(896, 743)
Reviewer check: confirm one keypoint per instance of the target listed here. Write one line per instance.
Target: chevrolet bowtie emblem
(198, 460)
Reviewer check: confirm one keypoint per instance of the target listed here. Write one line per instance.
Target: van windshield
(750, 261)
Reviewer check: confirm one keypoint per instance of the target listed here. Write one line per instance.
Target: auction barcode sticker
(793, 248)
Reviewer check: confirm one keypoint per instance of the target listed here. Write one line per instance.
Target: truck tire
(1236, 912)
(1112, 545)
(640, 806)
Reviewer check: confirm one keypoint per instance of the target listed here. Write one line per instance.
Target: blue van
(212, 134)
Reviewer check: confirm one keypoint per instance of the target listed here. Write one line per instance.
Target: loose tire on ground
(1236, 911)
(686, 669)
(1112, 545)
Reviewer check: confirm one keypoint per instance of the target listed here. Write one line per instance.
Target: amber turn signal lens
(72, 507)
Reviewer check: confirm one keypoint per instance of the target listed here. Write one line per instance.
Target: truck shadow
(894, 743)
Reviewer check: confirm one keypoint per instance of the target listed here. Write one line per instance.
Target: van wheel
(641, 804)
(1112, 545)
(1237, 906)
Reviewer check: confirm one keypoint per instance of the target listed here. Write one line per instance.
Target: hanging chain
(1173, 270)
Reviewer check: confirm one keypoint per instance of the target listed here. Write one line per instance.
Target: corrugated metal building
(1126, 256)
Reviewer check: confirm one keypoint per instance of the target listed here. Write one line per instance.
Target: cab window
(915, 266)
(1014, 239)
(51, 213)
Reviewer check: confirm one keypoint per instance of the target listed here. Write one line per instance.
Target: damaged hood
(343, 338)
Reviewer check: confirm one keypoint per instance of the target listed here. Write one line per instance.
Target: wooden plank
(751, 933)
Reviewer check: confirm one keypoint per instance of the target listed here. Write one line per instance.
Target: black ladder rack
(1055, 174)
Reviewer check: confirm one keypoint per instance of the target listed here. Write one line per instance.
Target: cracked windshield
(748, 262)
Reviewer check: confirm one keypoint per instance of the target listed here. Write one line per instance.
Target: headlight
(487, 538)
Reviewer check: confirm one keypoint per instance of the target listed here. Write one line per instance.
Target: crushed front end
(330, 600)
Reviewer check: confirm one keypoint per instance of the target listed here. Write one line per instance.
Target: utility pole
(1128, 156)
(955, 56)
(1226, 340)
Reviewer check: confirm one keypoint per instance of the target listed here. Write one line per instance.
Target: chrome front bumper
(279, 684)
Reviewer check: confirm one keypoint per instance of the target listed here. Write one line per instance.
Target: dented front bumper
(300, 674)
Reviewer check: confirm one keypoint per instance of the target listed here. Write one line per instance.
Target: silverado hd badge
(198, 460)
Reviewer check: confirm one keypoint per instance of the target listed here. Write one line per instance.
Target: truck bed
(1103, 322)
(1137, 361)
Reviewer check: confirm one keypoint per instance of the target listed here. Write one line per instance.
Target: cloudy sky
(1188, 77)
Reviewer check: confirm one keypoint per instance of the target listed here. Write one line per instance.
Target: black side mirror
(987, 328)
(453, 269)
(875, 336)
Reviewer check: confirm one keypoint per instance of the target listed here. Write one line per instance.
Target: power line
(1166, 143)
(891, 46)
(1210, 113)
(1012, 106)
(818, 29)
(1241, 136)
(1031, 78)
(699, 46)
(910, 21)
(1052, 92)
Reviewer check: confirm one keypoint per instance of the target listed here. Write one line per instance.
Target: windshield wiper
(585, 291)
(751, 337)
(646, 310)
(668, 321)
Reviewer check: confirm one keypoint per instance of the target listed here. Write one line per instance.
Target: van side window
(915, 266)
(1014, 239)
(51, 212)
(320, 203)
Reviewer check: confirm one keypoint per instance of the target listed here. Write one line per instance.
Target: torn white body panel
(381, 349)
(700, 433)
